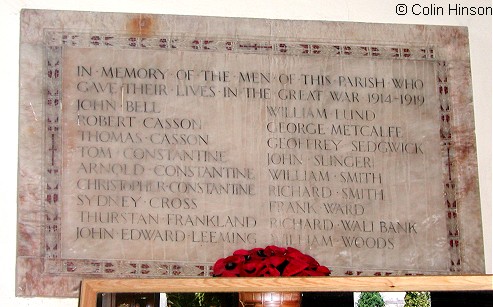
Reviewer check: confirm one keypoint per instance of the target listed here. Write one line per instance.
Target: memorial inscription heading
(163, 152)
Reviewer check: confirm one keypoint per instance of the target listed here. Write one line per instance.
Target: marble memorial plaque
(151, 146)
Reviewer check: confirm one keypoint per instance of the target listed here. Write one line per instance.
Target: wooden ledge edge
(91, 287)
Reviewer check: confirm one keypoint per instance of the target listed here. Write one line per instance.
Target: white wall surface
(381, 11)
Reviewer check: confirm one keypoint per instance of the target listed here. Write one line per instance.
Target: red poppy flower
(273, 250)
(253, 268)
(294, 267)
(269, 261)
(241, 252)
(269, 271)
(228, 267)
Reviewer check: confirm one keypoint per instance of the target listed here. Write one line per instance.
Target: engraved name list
(187, 156)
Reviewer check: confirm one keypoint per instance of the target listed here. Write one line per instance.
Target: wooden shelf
(91, 287)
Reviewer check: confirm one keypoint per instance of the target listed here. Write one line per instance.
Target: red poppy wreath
(269, 261)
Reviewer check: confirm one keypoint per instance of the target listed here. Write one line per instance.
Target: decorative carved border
(253, 45)
(453, 235)
(55, 41)
(53, 148)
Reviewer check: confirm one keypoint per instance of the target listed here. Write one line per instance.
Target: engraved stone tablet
(151, 146)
